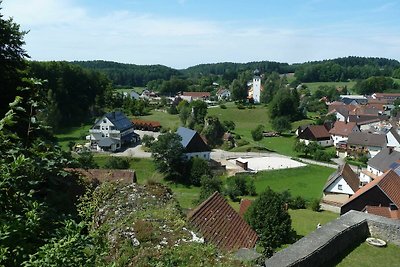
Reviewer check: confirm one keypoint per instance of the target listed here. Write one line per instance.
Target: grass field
(369, 256)
(305, 181)
(304, 221)
(166, 120)
(314, 86)
(72, 134)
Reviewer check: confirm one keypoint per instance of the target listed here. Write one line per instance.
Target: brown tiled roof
(342, 128)
(319, 131)
(103, 175)
(382, 95)
(348, 175)
(389, 183)
(146, 123)
(221, 225)
(244, 205)
(197, 94)
(383, 211)
(364, 110)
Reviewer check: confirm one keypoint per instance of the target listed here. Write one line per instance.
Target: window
(340, 187)
(104, 121)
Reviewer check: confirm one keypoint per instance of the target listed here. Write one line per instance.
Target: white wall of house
(373, 150)
(340, 186)
(257, 89)
(203, 155)
(323, 143)
(364, 178)
(391, 141)
(340, 117)
(337, 138)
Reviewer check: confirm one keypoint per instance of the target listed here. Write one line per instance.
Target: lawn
(306, 182)
(366, 255)
(314, 86)
(166, 120)
(304, 221)
(72, 134)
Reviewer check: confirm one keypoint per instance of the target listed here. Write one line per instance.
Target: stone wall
(329, 242)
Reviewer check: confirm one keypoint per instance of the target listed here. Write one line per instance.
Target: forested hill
(331, 70)
(129, 74)
(226, 68)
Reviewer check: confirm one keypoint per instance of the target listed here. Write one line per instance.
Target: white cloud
(60, 30)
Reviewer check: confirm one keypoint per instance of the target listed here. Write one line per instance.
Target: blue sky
(182, 33)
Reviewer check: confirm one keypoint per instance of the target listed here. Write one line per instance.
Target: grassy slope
(166, 120)
(306, 181)
(314, 86)
(73, 134)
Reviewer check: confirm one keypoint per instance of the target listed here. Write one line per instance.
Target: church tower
(256, 87)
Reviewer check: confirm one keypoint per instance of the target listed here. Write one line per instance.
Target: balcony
(94, 131)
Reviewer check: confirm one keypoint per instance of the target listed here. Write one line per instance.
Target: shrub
(117, 163)
(257, 133)
(209, 185)
(315, 205)
(198, 168)
(240, 106)
(148, 140)
(242, 142)
(222, 106)
(297, 203)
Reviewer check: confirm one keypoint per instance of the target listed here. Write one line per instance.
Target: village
(365, 168)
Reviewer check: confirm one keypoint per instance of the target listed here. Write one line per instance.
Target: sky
(183, 33)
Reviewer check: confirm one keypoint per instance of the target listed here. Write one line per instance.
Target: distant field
(306, 182)
(314, 86)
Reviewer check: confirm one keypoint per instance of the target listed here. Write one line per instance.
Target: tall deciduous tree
(12, 61)
(167, 152)
(269, 218)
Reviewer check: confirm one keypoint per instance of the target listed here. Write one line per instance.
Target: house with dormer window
(111, 132)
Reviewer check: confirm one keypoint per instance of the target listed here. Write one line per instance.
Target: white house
(393, 137)
(194, 145)
(223, 94)
(111, 132)
(341, 130)
(388, 158)
(342, 184)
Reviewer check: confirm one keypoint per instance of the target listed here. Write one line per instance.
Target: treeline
(129, 74)
(343, 69)
(230, 70)
(73, 94)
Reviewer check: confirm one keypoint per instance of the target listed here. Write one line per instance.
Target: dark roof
(221, 225)
(389, 183)
(367, 139)
(342, 128)
(366, 119)
(109, 175)
(107, 141)
(348, 175)
(120, 121)
(191, 140)
(384, 159)
(315, 132)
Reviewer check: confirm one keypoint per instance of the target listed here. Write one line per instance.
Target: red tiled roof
(221, 225)
(244, 205)
(197, 94)
(389, 183)
(380, 95)
(383, 211)
(146, 123)
(342, 128)
(103, 175)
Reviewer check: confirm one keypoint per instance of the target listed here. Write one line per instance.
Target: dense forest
(129, 74)
(332, 70)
